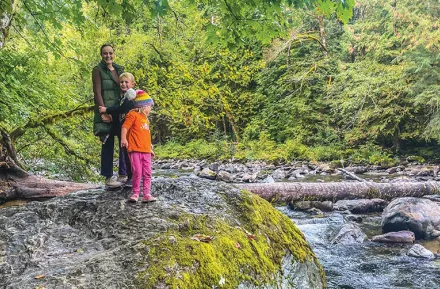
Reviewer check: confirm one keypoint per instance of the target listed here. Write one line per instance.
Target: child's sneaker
(134, 198)
(129, 183)
(148, 198)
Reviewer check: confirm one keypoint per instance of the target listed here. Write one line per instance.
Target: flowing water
(368, 265)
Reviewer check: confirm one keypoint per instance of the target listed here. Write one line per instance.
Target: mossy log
(333, 191)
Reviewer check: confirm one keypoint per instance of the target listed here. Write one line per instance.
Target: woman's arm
(96, 79)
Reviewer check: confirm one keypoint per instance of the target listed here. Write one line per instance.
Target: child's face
(125, 84)
(146, 109)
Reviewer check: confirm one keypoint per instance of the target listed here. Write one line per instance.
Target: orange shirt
(138, 135)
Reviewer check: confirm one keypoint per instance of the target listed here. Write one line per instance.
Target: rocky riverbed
(364, 264)
(259, 171)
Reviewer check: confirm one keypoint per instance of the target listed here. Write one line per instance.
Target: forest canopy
(274, 80)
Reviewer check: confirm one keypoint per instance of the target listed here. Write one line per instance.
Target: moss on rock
(248, 248)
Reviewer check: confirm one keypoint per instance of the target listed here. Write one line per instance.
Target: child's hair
(127, 75)
(140, 110)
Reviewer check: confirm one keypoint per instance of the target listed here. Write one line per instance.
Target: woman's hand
(124, 143)
(102, 109)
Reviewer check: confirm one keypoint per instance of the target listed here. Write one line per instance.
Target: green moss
(247, 249)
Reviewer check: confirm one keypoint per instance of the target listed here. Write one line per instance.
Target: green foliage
(371, 154)
(270, 86)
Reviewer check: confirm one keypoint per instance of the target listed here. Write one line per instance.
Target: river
(368, 265)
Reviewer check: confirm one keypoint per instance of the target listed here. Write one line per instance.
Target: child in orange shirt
(136, 137)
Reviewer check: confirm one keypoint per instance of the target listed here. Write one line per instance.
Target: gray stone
(395, 237)
(349, 233)
(224, 176)
(95, 239)
(419, 215)
(419, 251)
(279, 174)
(361, 206)
(207, 174)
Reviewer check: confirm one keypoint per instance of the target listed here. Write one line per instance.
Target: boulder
(279, 174)
(361, 206)
(419, 251)
(207, 174)
(224, 176)
(199, 234)
(419, 215)
(349, 233)
(395, 237)
(306, 205)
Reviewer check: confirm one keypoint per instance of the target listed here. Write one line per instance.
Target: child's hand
(124, 143)
(102, 109)
(106, 117)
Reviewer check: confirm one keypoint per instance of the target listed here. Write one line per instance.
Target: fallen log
(333, 191)
(352, 175)
(37, 188)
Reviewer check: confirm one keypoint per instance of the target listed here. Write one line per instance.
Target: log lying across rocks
(333, 191)
(37, 188)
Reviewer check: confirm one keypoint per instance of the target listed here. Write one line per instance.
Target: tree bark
(15, 182)
(5, 20)
(333, 191)
(322, 33)
(36, 188)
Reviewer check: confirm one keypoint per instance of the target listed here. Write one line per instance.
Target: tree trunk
(5, 20)
(322, 33)
(15, 182)
(333, 191)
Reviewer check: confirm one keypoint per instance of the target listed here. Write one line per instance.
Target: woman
(105, 77)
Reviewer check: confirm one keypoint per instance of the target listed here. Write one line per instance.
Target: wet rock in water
(315, 211)
(434, 198)
(224, 176)
(306, 205)
(395, 237)
(248, 178)
(419, 215)
(199, 234)
(349, 233)
(354, 218)
(207, 174)
(357, 170)
(419, 251)
(279, 174)
(361, 206)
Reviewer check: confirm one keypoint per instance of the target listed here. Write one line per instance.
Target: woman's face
(107, 54)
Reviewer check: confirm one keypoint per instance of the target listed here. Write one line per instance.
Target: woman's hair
(105, 45)
(127, 75)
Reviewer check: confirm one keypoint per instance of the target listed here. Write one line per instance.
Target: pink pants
(141, 168)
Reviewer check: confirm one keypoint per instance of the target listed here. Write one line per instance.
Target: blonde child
(136, 137)
(128, 94)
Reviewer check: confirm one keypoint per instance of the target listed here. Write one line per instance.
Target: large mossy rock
(199, 234)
